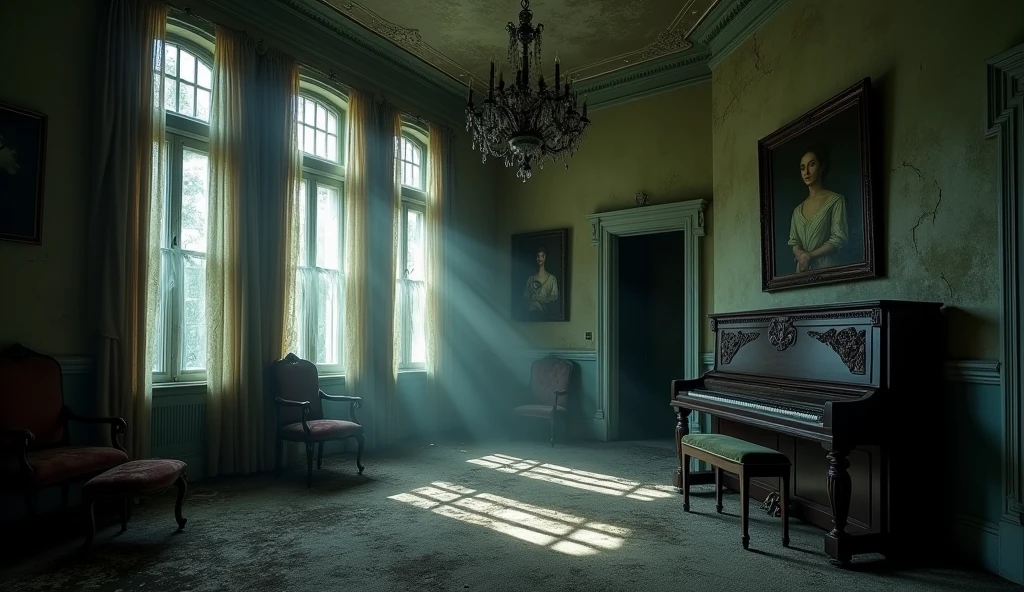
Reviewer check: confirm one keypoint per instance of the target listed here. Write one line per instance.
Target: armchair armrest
(306, 408)
(354, 403)
(19, 440)
(118, 426)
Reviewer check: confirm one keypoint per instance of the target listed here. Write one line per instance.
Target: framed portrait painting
(539, 275)
(818, 195)
(22, 152)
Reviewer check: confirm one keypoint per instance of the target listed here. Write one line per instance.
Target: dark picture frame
(818, 198)
(544, 298)
(22, 170)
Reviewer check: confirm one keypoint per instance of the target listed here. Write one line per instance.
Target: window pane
(414, 246)
(415, 155)
(203, 105)
(418, 353)
(188, 66)
(321, 117)
(163, 294)
(193, 336)
(321, 144)
(194, 200)
(170, 95)
(332, 148)
(328, 227)
(186, 95)
(310, 115)
(309, 141)
(332, 124)
(171, 59)
(298, 132)
(205, 76)
(303, 224)
(328, 334)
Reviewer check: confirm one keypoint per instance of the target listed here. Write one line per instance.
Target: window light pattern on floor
(605, 484)
(555, 530)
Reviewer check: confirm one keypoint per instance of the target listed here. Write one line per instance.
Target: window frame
(319, 171)
(181, 133)
(415, 200)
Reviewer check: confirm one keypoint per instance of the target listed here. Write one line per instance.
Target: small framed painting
(22, 156)
(539, 275)
(817, 195)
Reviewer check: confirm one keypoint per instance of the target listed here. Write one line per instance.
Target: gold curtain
(254, 180)
(440, 179)
(126, 210)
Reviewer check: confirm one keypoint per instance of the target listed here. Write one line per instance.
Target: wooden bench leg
(718, 489)
(784, 502)
(686, 482)
(745, 506)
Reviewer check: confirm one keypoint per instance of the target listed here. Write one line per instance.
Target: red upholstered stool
(132, 479)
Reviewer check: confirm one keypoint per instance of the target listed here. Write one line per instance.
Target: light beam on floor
(606, 484)
(555, 530)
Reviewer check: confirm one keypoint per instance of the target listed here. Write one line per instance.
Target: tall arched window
(411, 296)
(320, 281)
(186, 77)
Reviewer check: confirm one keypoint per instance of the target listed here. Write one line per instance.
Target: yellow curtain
(126, 210)
(252, 217)
(440, 178)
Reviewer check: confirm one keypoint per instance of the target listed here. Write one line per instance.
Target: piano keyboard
(783, 411)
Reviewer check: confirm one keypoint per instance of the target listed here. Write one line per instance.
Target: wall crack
(933, 214)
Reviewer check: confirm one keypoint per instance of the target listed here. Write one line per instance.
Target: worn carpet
(461, 516)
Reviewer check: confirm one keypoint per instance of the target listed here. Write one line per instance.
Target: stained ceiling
(591, 37)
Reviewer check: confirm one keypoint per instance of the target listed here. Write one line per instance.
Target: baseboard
(974, 541)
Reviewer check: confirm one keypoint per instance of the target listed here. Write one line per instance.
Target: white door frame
(605, 230)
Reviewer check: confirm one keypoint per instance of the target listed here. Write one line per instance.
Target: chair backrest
(32, 395)
(296, 379)
(549, 375)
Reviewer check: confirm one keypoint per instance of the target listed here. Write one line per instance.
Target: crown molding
(646, 79)
(730, 22)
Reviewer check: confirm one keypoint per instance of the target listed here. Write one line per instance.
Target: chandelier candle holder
(522, 124)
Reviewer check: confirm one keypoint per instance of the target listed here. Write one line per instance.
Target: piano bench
(740, 458)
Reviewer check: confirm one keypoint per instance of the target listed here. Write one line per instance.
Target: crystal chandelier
(522, 124)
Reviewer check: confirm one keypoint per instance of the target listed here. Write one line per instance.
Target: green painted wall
(660, 145)
(927, 64)
(47, 67)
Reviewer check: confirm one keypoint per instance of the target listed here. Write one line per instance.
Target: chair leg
(320, 455)
(279, 453)
(784, 503)
(90, 522)
(359, 453)
(686, 482)
(718, 489)
(744, 507)
(182, 485)
(309, 464)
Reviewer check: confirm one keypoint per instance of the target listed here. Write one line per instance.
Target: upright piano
(849, 393)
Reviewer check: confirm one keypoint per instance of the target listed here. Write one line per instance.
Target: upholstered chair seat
(321, 429)
(54, 465)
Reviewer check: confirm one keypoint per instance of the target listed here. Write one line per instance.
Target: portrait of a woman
(541, 289)
(818, 228)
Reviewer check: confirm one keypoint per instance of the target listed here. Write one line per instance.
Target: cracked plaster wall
(937, 176)
(661, 145)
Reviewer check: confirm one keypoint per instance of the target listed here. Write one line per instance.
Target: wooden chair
(35, 442)
(549, 380)
(300, 414)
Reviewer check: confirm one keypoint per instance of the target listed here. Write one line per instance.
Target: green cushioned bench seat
(735, 450)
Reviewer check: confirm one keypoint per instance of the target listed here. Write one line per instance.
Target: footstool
(136, 478)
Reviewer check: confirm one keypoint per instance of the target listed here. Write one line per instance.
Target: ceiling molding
(730, 22)
(646, 79)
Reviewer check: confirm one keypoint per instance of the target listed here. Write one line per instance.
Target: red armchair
(35, 443)
(300, 413)
(549, 381)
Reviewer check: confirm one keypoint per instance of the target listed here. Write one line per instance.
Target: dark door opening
(650, 332)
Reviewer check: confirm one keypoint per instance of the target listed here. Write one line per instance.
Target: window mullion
(312, 312)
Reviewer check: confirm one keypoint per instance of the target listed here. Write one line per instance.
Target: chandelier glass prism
(525, 125)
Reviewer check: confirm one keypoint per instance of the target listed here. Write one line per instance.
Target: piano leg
(784, 509)
(837, 542)
(745, 507)
(693, 477)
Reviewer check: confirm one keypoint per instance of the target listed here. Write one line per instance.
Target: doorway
(650, 275)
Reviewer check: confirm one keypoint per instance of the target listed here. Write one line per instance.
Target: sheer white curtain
(440, 179)
(126, 210)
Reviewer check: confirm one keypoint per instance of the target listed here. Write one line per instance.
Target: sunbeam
(565, 533)
(596, 482)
